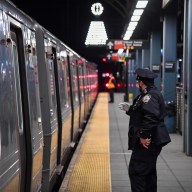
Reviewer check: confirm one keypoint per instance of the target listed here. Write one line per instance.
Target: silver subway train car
(47, 92)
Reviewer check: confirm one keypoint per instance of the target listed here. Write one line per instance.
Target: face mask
(140, 88)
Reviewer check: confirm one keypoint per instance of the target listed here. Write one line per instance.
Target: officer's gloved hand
(124, 106)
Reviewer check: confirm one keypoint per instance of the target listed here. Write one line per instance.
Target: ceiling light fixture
(135, 18)
(139, 9)
(96, 34)
(138, 12)
(141, 4)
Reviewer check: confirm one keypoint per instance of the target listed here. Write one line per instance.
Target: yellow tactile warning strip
(89, 170)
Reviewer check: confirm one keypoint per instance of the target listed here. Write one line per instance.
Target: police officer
(147, 132)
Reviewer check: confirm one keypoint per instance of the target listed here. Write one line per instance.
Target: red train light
(104, 59)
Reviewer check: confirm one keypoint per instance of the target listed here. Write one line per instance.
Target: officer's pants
(111, 93)
(142, 168)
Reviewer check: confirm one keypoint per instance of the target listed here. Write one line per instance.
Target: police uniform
(146, 121)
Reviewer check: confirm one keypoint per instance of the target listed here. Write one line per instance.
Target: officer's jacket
(147, 118)
(111, 83)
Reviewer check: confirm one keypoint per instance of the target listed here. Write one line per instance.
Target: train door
(28, 106)
(11, 120)
(64, 105)
(35, 132)
(74, 95)
(49, 115)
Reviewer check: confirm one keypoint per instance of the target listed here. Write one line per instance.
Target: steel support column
(155, 56)
(169, 63)
(188, 77)
(146, 58)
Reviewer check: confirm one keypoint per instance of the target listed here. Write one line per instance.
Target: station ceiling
(69, 20)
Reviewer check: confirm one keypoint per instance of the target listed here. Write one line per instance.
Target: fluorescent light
(131, 28)
(138, 12)
(135, 18)
(133, 23)
(127, 35)
(141, 4)
(96, 34)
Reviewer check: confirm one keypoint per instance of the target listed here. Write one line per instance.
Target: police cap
(145, 75)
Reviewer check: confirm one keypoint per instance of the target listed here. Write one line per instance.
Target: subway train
(47, 92)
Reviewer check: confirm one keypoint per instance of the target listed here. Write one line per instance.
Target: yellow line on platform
(91, 170)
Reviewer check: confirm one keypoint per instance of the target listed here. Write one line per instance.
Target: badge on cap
(146, 98)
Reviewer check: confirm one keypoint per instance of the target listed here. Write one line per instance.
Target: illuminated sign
(96, 33)
(170, 66)
(97, 9)
(126, 44)
(118, 44)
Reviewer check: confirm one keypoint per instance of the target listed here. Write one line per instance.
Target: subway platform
(100, 162)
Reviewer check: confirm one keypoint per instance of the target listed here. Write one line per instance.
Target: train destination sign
(126, 44)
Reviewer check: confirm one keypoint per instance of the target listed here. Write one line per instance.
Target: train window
(33, 94)
(61, 78)
(67, 85)
(67, 82)
(86, 80)
(74, 83)
(53, 102)
(62, 75)
(52, 90)
(81, 82)
(18, 89)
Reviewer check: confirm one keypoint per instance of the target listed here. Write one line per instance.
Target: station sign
(119, 57)
(118, 44)
(170, 66)
(126, 44)
(156, 68)
(113, 57)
